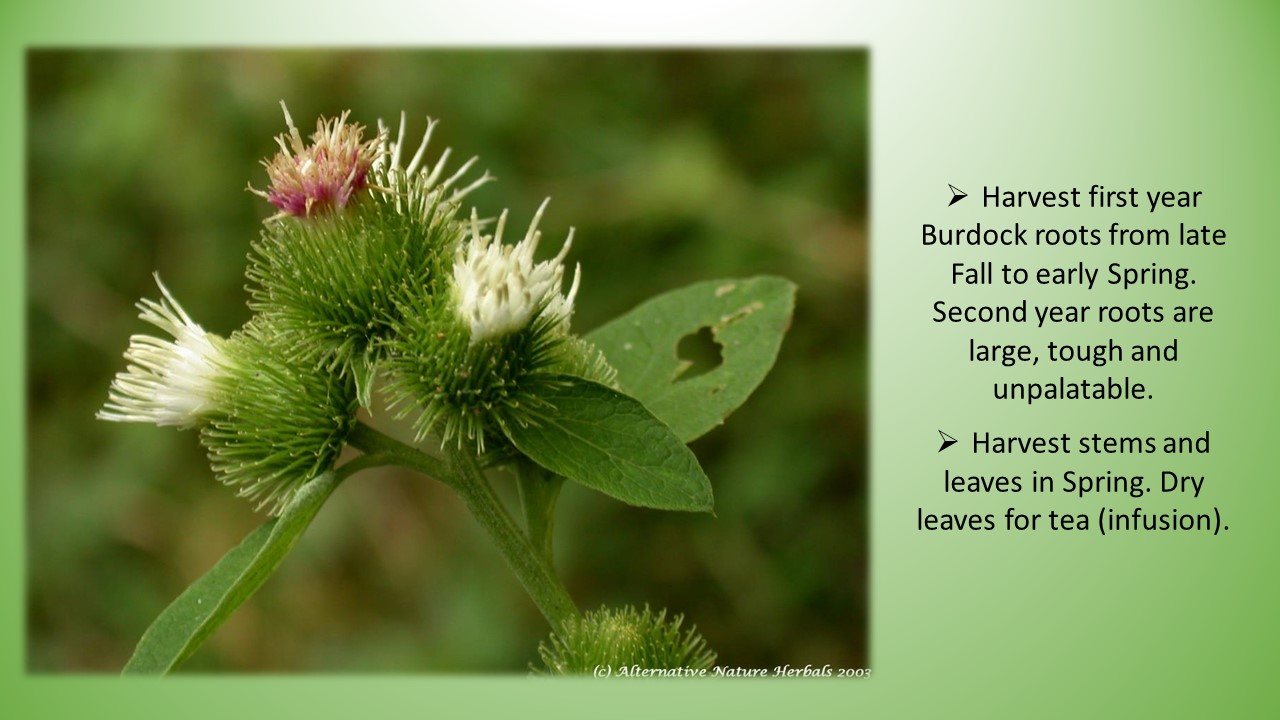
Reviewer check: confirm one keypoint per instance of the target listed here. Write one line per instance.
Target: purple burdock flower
(321, 177)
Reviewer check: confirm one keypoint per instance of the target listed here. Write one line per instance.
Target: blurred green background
(674, 167)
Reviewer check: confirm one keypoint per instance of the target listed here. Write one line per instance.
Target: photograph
(501, 361)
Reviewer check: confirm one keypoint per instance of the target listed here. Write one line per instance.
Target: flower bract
(624, 638)
(419, 185)
(279, 422)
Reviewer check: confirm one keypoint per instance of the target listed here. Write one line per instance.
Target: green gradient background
(982, 625)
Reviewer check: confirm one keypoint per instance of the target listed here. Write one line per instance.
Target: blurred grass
(674, 166)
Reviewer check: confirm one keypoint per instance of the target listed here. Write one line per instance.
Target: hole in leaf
(701, 353)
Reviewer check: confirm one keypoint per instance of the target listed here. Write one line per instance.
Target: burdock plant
(372, 274)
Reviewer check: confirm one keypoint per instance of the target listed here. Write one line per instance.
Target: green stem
(533, 570)
(464, 475)
(363, 462)
(539, 491)
(371, 442)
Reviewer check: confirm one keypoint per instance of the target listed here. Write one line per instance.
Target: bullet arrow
(947, 441)
(956, 195)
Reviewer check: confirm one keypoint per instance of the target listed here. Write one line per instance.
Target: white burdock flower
(498, 288)
(418, 186)
(167, 382)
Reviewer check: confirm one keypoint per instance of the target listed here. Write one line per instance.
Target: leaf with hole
(189, 620)
(610, 442)
(745, 318)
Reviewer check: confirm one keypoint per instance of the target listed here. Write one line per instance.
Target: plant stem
(373, 442)
(464, 475)
(530, 566)
(363, 462)
(539, 490)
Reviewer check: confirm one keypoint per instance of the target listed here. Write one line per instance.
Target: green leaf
(747, 318)
(188, 621)
(608, 441)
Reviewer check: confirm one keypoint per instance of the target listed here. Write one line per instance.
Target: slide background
(1177, 94)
